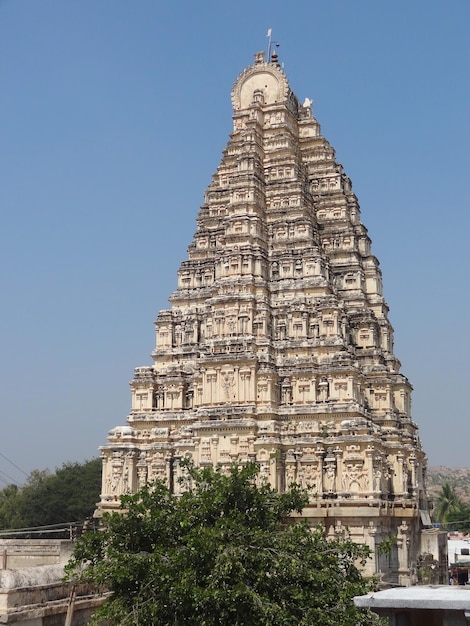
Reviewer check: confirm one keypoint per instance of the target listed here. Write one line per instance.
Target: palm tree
(448, 504)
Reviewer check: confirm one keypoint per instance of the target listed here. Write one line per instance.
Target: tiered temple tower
(277, 347)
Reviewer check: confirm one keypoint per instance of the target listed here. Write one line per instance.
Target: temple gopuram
(277, 347)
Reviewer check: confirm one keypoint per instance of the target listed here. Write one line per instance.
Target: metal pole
(70, 607)
(269, 44)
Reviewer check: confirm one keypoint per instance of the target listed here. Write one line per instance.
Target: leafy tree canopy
(451, 510)
(8, 497)
(447, 503)
(222, 553)
(460, 519)
(68, 495)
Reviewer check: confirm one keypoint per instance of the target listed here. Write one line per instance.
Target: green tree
(69, 494)
(8, 498)
(222, 553)
(460, 518)
(448, 504)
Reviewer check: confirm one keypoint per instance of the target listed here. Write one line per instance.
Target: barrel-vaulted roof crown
(267, 78)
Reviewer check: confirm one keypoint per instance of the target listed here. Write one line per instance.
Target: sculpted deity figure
(286, 391)
(308, 476)
(142, 476)
(377, 479)
(228, 383)
(116, 478)
(125, 480)
(405, 480)
(354, 478)
(323, 390)
(231, 325)
(290, 474)
(330, 475)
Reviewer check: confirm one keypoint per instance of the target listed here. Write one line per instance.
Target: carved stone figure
(354, 478)
(277, 338)
(330, 477)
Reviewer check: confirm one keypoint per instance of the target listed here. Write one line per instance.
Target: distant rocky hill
(457, 477)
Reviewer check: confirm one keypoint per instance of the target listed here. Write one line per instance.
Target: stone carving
(354, 478)
(323, 390)
(228, 384)
(377, 482)
(277, 341)
(291, 473)
(116, 478)
(330, 477)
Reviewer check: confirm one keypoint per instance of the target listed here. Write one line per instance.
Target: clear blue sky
(114, 114)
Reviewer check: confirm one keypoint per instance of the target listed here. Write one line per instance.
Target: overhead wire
(5, 482)
(14, 464)
(13, 480)
(45, 529)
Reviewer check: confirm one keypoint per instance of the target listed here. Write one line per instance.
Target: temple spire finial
(271, 58)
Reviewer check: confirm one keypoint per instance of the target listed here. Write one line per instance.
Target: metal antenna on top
(276, 43)
(270, 30)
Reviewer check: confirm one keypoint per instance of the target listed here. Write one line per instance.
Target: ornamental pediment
(263, 80)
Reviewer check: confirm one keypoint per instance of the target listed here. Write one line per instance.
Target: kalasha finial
(272, 58)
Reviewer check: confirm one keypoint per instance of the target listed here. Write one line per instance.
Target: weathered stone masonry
(277, 347)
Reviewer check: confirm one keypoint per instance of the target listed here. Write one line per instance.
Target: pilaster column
(370, 471)
(402, 479)
(313, 389)
(403, 545)
(413, 463)
(350, 388)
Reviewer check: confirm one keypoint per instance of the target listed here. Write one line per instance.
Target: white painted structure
(420, 606)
